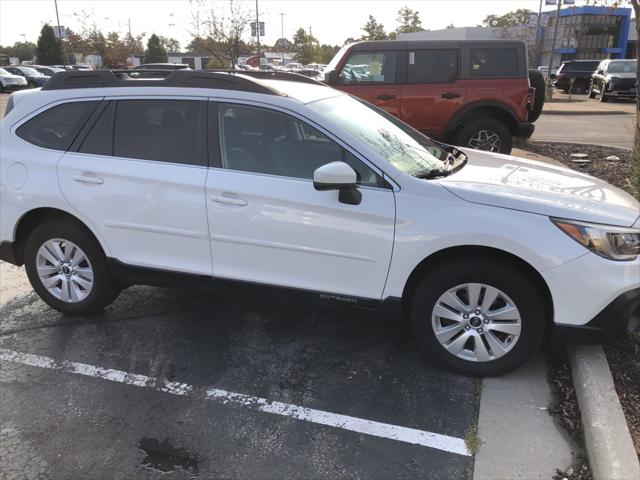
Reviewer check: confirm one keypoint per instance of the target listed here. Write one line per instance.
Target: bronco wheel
(68, 269)
(478, 317)
(488, 134)
(536, 80)
(592, 94)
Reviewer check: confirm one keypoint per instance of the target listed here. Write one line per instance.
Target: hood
(537, 187)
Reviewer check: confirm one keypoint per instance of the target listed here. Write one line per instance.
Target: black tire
(536, 80)
(103, 291)
(501, 275)
(603, 96)
(579, 88)
(592, 94)
(31, 85)
(472, 130)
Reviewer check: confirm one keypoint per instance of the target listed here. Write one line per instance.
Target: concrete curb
(586, 112)
(608, 441)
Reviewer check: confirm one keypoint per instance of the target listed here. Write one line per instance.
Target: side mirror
(338, 176)
(331, 77)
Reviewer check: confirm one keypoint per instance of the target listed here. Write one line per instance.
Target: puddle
(165, 457)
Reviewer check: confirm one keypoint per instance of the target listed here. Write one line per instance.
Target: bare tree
(219, 31)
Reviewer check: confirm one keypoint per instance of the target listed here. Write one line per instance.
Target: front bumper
(622, 94)
(524, 130)
(618, 319)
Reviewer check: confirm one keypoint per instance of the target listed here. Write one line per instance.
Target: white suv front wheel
(479, 317)
(68, 269)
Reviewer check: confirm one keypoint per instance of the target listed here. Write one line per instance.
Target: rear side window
(162, 130)
(433, 66)
(369, 67)
(494, 62)
(57, 127)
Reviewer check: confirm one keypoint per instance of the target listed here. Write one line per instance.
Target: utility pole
(556, 22)
(538, 46)
(282, 36)
(64, 60)
(258, 34)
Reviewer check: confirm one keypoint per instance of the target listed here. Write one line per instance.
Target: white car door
(269, 225)
(139, 179)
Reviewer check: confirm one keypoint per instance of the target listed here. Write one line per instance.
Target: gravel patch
(616, 172)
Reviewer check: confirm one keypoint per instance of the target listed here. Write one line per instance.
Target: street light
(282, 36)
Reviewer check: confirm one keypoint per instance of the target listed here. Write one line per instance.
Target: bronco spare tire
(536, 80)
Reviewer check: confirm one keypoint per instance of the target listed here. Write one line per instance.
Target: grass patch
(471, 439)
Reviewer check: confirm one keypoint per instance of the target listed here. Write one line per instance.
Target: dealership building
(585, 32)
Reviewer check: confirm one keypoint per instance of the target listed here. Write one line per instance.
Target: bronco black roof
(243, 80)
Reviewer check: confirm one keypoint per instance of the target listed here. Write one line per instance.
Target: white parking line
(368, 427)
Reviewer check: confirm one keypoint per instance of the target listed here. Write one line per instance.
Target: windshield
(336, 58)
(405, 148)
(622, 67)
(30, 71)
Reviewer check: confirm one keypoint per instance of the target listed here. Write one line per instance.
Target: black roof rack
(221, 79)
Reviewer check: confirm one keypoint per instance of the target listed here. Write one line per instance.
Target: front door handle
(386, 96)
(88, 178)
(223, 199)
(451, 95)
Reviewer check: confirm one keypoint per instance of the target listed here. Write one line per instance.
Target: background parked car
(34, 77)
(455, 91)
(579, 71)
(162, 66)
(49, 71)
(309, 72)
(10, 82)
(614, 79)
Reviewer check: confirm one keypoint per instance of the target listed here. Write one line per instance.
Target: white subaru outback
(277, 181)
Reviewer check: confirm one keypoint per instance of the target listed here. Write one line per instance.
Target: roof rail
(156, 78)
(271, 75)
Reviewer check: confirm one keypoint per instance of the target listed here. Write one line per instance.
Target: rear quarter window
(494, 62)
(57, 127)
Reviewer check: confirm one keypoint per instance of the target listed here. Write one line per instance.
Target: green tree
(155, 52)
(373, 30)
(510, 19)
(49, 49)
(169, 44)
(306, 47)
(327, 52)
(408, 21)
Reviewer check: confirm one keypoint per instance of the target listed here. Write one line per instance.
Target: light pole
(258, 34)
(556, 22)
(64, 60)
(282, 36)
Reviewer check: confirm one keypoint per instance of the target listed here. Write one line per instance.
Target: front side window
(433, 66)
(494, 62)
(58, 126)
(264, 141)
(162, 130)
(369, 67)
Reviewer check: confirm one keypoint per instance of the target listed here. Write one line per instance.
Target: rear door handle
(225, 200)
(88, 178)
(386, 96)
(451, 95)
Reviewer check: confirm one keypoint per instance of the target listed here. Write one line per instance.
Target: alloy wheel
(485, 140)
(476, 322)
(64, 270)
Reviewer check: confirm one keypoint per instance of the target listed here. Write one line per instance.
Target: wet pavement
(59, 420)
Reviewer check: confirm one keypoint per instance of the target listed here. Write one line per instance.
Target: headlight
(614, 243)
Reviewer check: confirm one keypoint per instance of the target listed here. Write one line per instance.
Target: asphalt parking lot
(147, 390)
